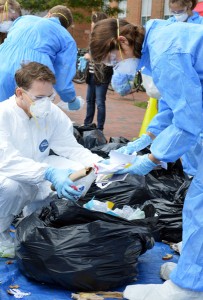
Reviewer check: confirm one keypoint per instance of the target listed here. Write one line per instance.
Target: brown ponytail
(104, 38)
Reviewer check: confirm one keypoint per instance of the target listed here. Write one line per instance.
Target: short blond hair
(63, 13)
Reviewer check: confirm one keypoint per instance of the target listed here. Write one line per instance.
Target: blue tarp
(148, 267)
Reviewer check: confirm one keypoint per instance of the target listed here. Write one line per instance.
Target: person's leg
(13, 197)
(189, 271)
(101, 91)
(90, 99)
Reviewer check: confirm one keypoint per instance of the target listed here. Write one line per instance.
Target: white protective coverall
(24, 156)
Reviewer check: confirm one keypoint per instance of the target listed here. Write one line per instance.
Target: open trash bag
(79, 249)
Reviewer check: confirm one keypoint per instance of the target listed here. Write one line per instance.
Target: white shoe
(166, 270)
(166, 291)
(7, 247)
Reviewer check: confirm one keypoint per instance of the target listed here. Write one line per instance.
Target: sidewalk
(123, 118)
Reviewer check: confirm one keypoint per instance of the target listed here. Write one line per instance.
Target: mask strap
(118, 34)
(58, 13)
(35, 118)
(5, 11)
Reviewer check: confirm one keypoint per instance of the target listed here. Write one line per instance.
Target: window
(123, 5)
(167, 12)
(146, 10)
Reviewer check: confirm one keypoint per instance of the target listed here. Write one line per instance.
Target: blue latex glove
(61, 182)
(137, 145)
(122, 83)
(75, 104)
(82, 63)
(142, 165)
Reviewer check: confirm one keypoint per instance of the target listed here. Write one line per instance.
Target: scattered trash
(14, 286)
(9, 262)
(17, 293)
(167, 256)
(126, 212)
(97, 295)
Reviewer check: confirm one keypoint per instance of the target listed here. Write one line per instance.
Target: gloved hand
(82, 63)
(142, 165)
(76, 104)
(137, 145)
(122, 83)
(61, 182)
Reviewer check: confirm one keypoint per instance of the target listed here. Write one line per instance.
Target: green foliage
(42, 5)
(141, 104)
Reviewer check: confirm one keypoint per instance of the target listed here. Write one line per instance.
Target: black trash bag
(119, 140)
(133, 190)
(169, 223)
(79, 249)
(82, 128)
(180, 195)
(104, 150)
(78, 136)
(93, 138)
(165, 183)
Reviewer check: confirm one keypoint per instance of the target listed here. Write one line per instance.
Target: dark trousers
(96, 95)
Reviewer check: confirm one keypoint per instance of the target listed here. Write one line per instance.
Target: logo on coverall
(43, 146)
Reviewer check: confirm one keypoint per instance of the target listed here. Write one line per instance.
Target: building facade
(134, 11)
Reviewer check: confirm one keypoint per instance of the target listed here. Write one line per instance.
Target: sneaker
(7, 247)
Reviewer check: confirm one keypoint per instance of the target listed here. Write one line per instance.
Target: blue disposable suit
(191, 158)
(174, 55)
(43, 40)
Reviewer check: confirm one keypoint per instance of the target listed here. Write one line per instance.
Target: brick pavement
(123, 118)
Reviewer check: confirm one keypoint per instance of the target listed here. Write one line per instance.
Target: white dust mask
(127, 66)
(181, 17)
(40, 108)
(5, 26)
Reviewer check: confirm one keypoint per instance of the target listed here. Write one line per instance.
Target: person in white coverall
(31, 125)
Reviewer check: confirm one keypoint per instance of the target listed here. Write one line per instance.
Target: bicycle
(80, 69)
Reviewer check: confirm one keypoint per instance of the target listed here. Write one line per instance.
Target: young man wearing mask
(31, 125)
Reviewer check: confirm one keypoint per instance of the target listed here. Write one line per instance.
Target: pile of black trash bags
(86, 250)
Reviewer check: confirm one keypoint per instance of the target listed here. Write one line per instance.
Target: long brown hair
(104, 37)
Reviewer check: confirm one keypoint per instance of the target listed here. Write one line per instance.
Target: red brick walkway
(123, 118)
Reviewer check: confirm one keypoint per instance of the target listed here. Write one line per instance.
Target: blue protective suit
(174, 55)
(195, 19)
(43, 40)
(175, 62)
(191, 158)
(189, 271)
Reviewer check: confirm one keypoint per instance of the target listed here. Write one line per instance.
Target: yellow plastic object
(151, 111)
(110, 204)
